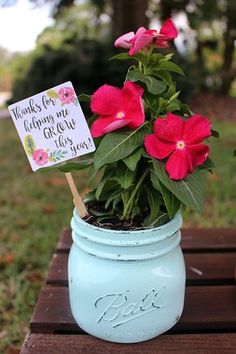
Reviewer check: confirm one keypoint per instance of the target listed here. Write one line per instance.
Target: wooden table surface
(208, 323)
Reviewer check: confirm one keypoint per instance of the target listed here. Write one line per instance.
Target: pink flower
(180, 141)
(40, 157)
(143, 37)
(117, 108)
(66, 95)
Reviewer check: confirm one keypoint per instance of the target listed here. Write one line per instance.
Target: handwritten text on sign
(52, 126)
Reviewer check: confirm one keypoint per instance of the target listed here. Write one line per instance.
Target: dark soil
(97, 218)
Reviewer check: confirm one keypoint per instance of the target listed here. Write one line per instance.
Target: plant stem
(129, 205)
(140, 66)
(149, 54)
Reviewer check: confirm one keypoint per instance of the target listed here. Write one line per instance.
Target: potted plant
(126, 268)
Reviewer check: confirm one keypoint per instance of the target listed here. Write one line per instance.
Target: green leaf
(155, 58)
(102, 183)
(207, 165)
(116, 194)
(119, 145)
(52, 94)
(164, 75)
(154, 86)
(173, 106)
(174, 96)
(169, 66)
(124, 176)
(169, 56)
(92, 175)
(161, 106)
(190, 191)
(29, 145)
(91, 120)
(215, 133)
(84, 98)
(171, 91)
(99, 213)
(140, 57)
(76, 165)
(154, 203)
(132, 160)
(122, 56)
(171, 202)
(143, 58)
(161, 220)
(155, 181)
(185, 109)
(90, 197)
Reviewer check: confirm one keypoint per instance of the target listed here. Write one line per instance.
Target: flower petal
(162, 44)
(106, 100)
(199, 153)
(102, 125)
(135, 113)
(169, 128)
(132, 89)
(177, 165)
(132, 104)
(168, 30)
(196, 129)
(124, 41)
(140, 31)
(157, 148)
(140, 42)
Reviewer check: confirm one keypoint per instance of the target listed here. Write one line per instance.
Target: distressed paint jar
(126, 286)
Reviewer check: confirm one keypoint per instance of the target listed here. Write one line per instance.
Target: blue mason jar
(126, 286)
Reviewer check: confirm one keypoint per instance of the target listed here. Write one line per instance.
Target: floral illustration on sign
(40, 156)
(65, 94)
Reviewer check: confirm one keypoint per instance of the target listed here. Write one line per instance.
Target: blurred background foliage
(77, 46)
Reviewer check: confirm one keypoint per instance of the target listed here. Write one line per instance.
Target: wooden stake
(78, 201)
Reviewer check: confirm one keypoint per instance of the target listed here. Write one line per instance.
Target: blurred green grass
(34, 207)
(220, 205)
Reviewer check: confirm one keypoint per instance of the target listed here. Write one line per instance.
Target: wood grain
(206, 308)
(208, 323)
(193, 240)
(205, 240)
(84, 344)
(201, 268)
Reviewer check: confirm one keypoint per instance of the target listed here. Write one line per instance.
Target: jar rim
(124, 237)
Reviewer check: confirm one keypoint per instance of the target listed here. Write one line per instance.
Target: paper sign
(52, 126)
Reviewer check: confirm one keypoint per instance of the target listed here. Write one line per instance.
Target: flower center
(180, 145)
(120, 114)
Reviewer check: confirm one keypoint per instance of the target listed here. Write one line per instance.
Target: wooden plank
(52, 312)
(206, 308)
(210, 268)
(205, 240)
(57, 272)
(81, 344)
(193, 240)
(202, 268)
(65, 241)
